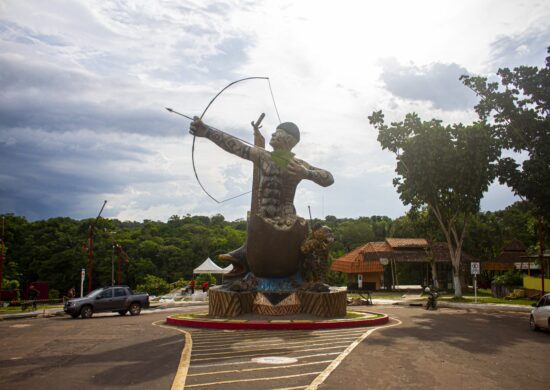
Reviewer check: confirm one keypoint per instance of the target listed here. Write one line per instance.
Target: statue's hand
(198, 128)
(297, 169)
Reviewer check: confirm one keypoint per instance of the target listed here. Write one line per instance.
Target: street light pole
(90, 248)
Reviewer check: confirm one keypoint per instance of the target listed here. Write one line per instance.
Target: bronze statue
(315, 264)
(275, 232)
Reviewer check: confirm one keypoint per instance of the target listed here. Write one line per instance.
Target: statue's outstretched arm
(225, 141)
(309, 172)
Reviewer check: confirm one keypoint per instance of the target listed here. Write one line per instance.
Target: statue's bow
(202, 115)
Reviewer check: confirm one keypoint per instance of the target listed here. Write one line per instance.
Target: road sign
(474, 268)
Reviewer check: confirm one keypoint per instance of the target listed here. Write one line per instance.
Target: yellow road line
(290, 388)
(260, 368)
(183, 367)
(327, 371)
(254, 379)
(279, 346)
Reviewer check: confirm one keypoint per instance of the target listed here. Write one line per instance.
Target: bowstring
(242, 140)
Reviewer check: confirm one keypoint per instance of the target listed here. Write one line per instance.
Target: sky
(83, 86)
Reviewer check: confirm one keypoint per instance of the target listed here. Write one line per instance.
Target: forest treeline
(55, 250)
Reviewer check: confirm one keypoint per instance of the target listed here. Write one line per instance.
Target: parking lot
(443, 349)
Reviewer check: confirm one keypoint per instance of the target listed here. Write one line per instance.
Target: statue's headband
(291, 129)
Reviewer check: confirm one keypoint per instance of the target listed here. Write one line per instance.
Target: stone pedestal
(223, 303)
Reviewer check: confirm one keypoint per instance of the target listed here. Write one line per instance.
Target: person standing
(33, 295)
(192, 285)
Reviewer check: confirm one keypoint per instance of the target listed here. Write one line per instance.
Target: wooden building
(367, 264)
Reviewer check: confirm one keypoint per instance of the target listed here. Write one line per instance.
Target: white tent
(209, 267)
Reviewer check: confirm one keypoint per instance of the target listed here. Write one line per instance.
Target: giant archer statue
(275, 232)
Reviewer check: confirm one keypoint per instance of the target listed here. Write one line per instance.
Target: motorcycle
(432, 299)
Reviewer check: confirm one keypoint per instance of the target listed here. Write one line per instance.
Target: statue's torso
(276, 192)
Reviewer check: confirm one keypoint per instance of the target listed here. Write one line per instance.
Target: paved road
(443, 349)
(448, 349)
(106, 351)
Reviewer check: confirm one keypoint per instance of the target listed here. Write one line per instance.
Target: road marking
(259, 369)
(278, 340)
(262, 354)
(255, 379)
(210, 335)
(183, 367)
(327, 371)
(248, 361)
(237, 350)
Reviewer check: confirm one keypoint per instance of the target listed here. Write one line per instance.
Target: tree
(447, 168)
(519, 110)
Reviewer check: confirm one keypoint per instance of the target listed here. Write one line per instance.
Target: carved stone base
(323, 304)
(224, 303)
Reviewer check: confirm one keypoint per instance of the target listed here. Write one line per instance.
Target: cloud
(526, 48)
(437, 83)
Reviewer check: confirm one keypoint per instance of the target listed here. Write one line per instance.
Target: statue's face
(280, 139)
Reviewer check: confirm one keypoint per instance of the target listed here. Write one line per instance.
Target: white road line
(254, 379)
(260, 354)
(277, 346)
(196, 366)
(260, 368)
(203, 347)
(327, 371)
(199, 335)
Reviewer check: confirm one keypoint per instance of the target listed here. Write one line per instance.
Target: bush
(154, 285)
(53, 293)
(211, 279)
(509, 278)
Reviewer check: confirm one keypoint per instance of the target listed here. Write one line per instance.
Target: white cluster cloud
(85, 83)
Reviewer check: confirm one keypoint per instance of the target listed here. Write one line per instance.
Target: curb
(490, 307)
(275, 325)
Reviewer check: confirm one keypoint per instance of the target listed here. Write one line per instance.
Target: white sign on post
(475, 270)
(82, 276)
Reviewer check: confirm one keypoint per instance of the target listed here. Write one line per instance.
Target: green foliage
(446, 168)
(53, 293)
(154, 285)
(211, 279)
(519, 106)
(511, 278)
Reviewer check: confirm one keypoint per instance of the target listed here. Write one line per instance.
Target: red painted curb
(266, 325)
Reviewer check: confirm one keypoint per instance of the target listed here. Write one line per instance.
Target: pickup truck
(119, 299)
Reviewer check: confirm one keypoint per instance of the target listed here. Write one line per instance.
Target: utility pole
(90, 247)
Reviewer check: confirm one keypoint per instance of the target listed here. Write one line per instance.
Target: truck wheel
(122, 312)
(86, 311)
(135, 309)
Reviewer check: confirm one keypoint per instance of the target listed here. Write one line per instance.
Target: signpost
(82, 276)
(475, 270)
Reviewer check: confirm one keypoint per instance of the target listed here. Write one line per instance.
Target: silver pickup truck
(119, 299)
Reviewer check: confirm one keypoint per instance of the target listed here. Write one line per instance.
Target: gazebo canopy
(209, 267)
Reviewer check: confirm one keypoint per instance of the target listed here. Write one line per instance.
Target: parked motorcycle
(432, 299)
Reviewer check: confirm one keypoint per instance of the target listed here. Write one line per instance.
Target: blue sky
(84, 85)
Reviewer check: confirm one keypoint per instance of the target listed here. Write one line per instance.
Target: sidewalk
(408, 300)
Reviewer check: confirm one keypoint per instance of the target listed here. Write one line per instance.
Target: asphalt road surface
(446, 349)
